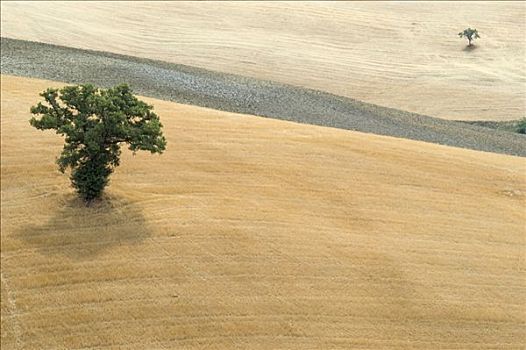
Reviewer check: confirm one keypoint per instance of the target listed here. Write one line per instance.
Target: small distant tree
(521, 126)
(95, 122)
(470, 34)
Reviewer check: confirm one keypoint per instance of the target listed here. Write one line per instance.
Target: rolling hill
(403, 55)
(255, 233)
(240, 94)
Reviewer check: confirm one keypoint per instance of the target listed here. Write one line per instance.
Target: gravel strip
(239, 94)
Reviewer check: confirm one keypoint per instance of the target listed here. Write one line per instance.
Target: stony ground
(245, 95)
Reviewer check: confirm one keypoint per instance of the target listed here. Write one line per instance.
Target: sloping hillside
(404, 55)
(240, 94)
(253, 233)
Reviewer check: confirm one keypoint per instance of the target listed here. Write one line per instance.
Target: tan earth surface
(254, 233)
(404, 55)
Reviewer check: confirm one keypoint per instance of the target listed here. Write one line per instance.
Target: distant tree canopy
(95, 122)
(521, 126)
(470, 34)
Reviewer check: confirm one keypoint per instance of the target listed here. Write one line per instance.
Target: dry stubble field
(404, 55)
(260, 234)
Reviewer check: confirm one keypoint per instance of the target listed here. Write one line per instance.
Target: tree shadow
(81, 232)
(473, 47)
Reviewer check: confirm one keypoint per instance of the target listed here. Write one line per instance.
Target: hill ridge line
(240, 94)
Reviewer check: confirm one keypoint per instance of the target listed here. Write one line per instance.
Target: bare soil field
(404, 55)
(254, 233)
(240, 94)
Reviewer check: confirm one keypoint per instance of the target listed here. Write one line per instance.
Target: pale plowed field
(253, 233)
(404, 55)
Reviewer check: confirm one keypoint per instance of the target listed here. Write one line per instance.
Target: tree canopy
(521, 126)
(95, 122)
(470, 34)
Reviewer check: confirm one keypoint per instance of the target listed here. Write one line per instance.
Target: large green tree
(95, 122)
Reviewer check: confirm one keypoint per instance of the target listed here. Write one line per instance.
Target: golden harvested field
(405, 55)
(253, 233)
